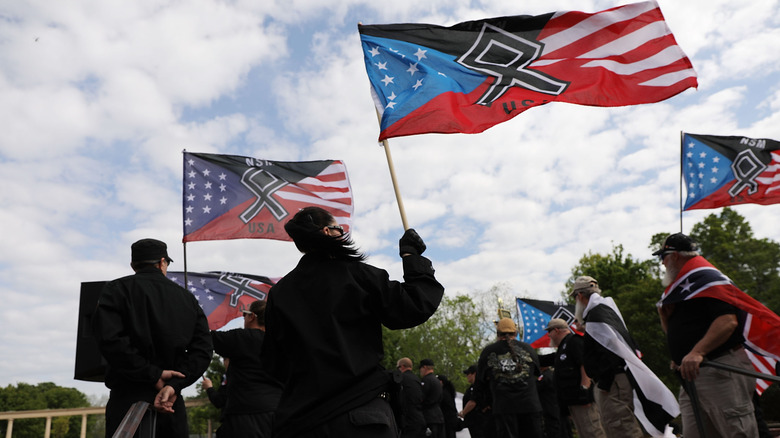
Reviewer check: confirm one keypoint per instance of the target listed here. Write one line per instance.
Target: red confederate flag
(234, 197)
(473, 75)
(699, 279)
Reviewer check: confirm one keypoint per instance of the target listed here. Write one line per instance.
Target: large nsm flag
(476, 74)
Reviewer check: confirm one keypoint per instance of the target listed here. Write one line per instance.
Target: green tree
(636, 287)
(451, 337)
(45, 395)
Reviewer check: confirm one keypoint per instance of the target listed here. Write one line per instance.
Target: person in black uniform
(431, 402)
(474, 418)
(452, 423)
(253, 395)
(508, 369)
(573, 384)
(411, 422)
(155, 339)
(324, 330)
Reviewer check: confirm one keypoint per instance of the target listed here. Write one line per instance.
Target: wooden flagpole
(682, 151)
(390, 165)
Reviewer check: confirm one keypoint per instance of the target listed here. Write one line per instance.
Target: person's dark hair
(137, 266)
(305, 229)
(258, 308)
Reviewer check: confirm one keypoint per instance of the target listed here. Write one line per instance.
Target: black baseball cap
(470, 370)
(149, 251)
(678, 242)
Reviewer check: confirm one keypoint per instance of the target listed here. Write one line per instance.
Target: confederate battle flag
(699, 279)
(473, 75)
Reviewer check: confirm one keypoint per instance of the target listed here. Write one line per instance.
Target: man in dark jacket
(431, 402)
(253, 395)
(508, 370)
(411, 423)
(474, 418)
(572, 383)
(155, 339)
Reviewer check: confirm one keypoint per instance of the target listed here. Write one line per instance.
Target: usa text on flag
(725, 170)
(761, 328)
(223, 295)
(473, 75)
(536, 314)
(235, 197)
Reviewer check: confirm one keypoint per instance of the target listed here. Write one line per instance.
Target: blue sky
(100, 98)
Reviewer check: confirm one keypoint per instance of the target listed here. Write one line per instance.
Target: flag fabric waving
(726, 170)
(536, 314)
(473, 75)
(657, 405)
(223, 295)
(235, 197)
(699, 279)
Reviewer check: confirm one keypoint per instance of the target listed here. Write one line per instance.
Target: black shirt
(690, 320)
(251, 389)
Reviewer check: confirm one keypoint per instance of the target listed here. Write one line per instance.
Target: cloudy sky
(99, 98)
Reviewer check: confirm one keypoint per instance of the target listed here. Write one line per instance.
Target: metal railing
(48, 414)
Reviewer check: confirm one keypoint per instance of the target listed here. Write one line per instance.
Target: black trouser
(372, 420)
(246, 426)
(525, 425)
(168, 425)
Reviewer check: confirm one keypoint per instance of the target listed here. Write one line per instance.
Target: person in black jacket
(411, 422)
(572, 383)
(474, 414)
(452, 423)
(431, 402)
(324, 330)
(507, 370)
(253, 395)
(155, 339)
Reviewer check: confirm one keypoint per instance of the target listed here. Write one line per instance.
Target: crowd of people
(307, 362)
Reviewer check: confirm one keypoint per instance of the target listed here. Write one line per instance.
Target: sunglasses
(339, 228)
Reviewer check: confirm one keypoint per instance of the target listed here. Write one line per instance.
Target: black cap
(678, 242)
(470, 370)
(426, 362)
(149, 250)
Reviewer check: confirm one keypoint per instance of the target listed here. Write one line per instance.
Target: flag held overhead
(473, 75)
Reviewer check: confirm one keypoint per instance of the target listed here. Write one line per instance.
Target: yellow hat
(506, 325)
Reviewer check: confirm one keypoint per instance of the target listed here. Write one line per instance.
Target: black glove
(411, 243)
